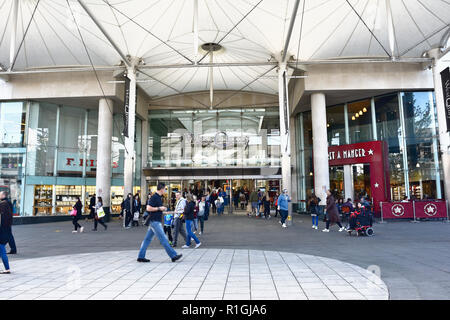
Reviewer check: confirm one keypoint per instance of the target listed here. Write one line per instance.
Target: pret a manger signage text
(348, 154)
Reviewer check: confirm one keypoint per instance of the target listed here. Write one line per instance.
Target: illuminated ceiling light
(310, 173)
(360, 113)
(353, 118)
(357, 115)
(328, 125)
(365, 109)
(398, 165)
(418, 165)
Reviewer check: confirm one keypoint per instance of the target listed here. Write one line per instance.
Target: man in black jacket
(128, 209)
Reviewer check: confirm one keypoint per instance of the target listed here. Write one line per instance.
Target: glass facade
(214, 138)
(48, 156)
(405, 120)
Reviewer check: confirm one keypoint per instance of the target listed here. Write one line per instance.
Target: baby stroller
(361, 223)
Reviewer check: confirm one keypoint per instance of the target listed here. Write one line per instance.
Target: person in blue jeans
(283, 206)
(189, 218)
(5, 229)
(155, 208)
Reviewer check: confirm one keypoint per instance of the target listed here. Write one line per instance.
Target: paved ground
(413, 259)
(212, 274)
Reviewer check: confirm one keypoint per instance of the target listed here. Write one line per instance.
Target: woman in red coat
(332, 213)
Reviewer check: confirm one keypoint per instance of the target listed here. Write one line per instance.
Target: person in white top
(178, 218)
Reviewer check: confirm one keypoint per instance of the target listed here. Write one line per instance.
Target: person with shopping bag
(76, 213)
(99, 214)
(136, 210)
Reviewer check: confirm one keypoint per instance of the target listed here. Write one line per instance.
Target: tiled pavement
(213, 274)
(412, 258)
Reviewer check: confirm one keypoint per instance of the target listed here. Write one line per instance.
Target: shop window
(336, 126)
(389, 130)
(360, 121)
(421, 144)
(12, 124)
(42, 200)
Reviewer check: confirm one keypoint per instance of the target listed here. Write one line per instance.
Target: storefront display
(66, 197)
(116, 199)
(42, 200)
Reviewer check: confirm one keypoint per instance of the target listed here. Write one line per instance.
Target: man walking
(128, 209)
(6, 218)
(155, 209)
(178, 218)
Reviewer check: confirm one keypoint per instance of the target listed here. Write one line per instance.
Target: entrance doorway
(361, 181)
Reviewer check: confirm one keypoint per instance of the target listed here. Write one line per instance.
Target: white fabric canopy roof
(162, 32)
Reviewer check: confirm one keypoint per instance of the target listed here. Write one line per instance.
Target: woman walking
(6, 218)
(99, 214)
(77, 216)
(189, 217)
(313, 206)
(201, 213)
(332, 213)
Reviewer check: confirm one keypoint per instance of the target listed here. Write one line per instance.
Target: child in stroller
(360, 221)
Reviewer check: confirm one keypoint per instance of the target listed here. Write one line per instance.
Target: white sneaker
(185, 247)
(81, 229)
(313, 227)
(325, 230)
(198, 245)
(284, 225)
(200, 233)
(74, 231)
(341, 229)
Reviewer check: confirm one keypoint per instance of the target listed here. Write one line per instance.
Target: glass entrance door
(361, 181)
(337, 181)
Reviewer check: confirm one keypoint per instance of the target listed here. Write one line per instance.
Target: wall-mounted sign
(372, 152)
(445, 77)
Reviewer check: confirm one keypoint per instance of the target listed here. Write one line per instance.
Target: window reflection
(210, 138)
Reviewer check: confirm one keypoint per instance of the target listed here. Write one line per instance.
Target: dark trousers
(202, 222)
(338, 223)
(284, 214)
(11, 242)
(128, 218)
(179, 228)
(75, 222)
(266, 211)
(99, 221)
(168, 231)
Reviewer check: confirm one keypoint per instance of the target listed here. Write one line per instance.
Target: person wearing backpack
(99, 214)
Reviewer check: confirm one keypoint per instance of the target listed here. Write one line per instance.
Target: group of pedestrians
(184, 220)
(97, 213)
(334, 210)
(260, 203)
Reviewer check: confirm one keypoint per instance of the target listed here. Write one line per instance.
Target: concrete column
(348, 173)
(320, 146)
(444, 136)
(129, 141)
(103, 173)
(285, 134)
(144, 158)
